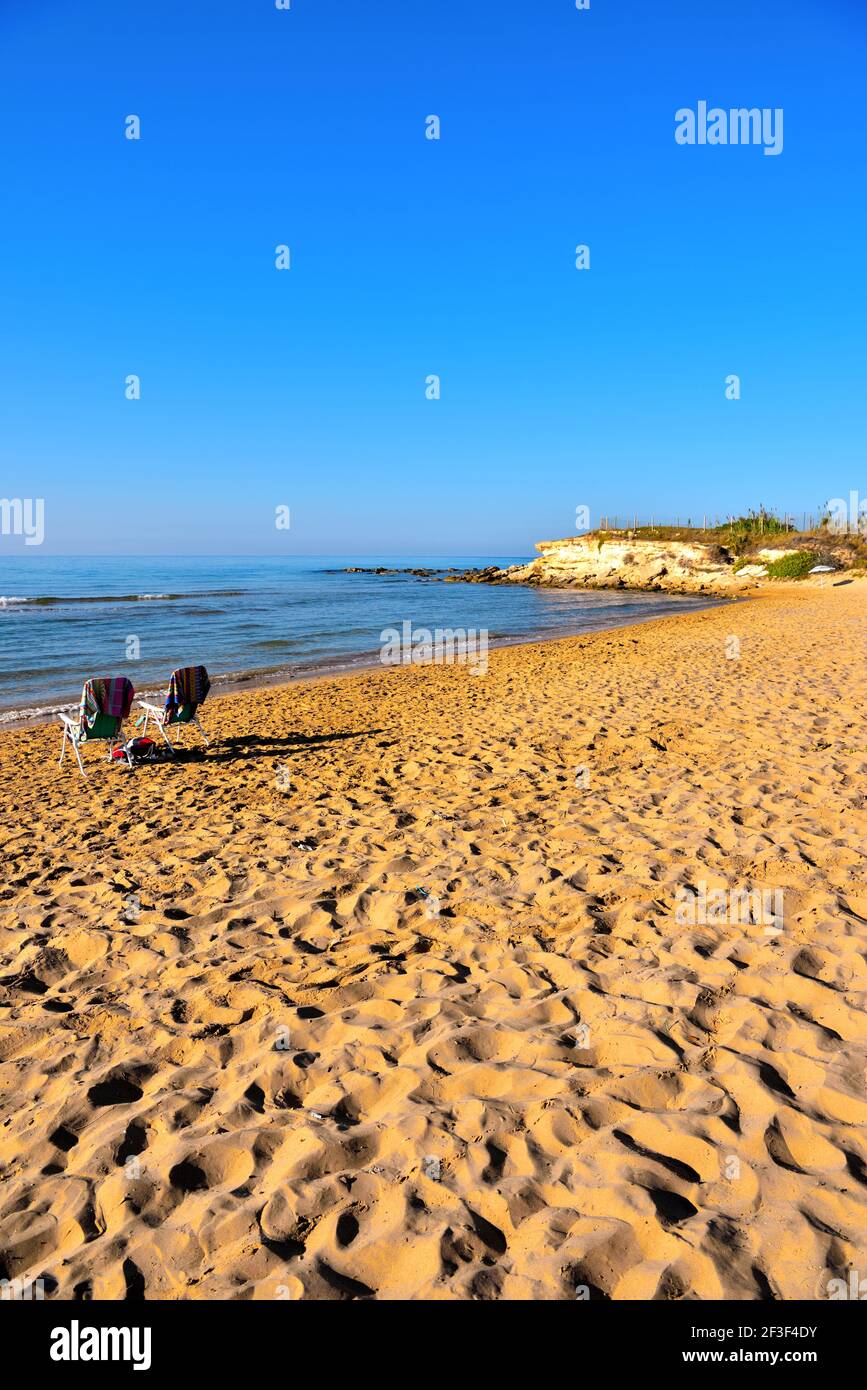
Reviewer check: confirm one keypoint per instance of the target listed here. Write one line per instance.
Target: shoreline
(260, 678)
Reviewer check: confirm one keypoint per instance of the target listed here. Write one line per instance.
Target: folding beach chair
(105, 704)
(188, 688)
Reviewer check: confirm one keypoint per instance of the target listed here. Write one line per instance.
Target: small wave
(15, 716)
(45, 600)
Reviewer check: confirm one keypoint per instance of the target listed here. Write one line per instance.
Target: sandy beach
(387, 996)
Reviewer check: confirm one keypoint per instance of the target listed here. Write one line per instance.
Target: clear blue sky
(411, 257)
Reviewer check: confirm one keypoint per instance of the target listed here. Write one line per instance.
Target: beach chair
(188, 689)
(105, 704)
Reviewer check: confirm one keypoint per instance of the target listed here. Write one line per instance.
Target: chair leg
(166, 738)
(200, 729)
(63, 747)
(77, 755)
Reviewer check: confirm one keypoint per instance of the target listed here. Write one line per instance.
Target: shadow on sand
(247, 746)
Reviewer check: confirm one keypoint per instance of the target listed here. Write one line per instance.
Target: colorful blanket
(188, 686)
(110, 695)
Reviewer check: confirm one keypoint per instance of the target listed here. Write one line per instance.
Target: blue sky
(412, 257)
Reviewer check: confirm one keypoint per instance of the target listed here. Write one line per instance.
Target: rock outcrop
(626, 562)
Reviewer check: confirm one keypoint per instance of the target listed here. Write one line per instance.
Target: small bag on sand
(135, 751)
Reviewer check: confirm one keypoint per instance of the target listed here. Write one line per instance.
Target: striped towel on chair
(110, 695)
(188, 687)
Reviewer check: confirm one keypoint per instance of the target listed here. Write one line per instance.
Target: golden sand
(243, 1057)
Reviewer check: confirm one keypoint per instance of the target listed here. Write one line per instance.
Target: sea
(64, 619)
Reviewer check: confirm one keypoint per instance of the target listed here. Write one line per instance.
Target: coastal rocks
(512, 574)
(676, 566)
(624, 560)
(623, 563)
(593, 562)
(387, 569)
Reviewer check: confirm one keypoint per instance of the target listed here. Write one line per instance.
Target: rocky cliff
(624, 562)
